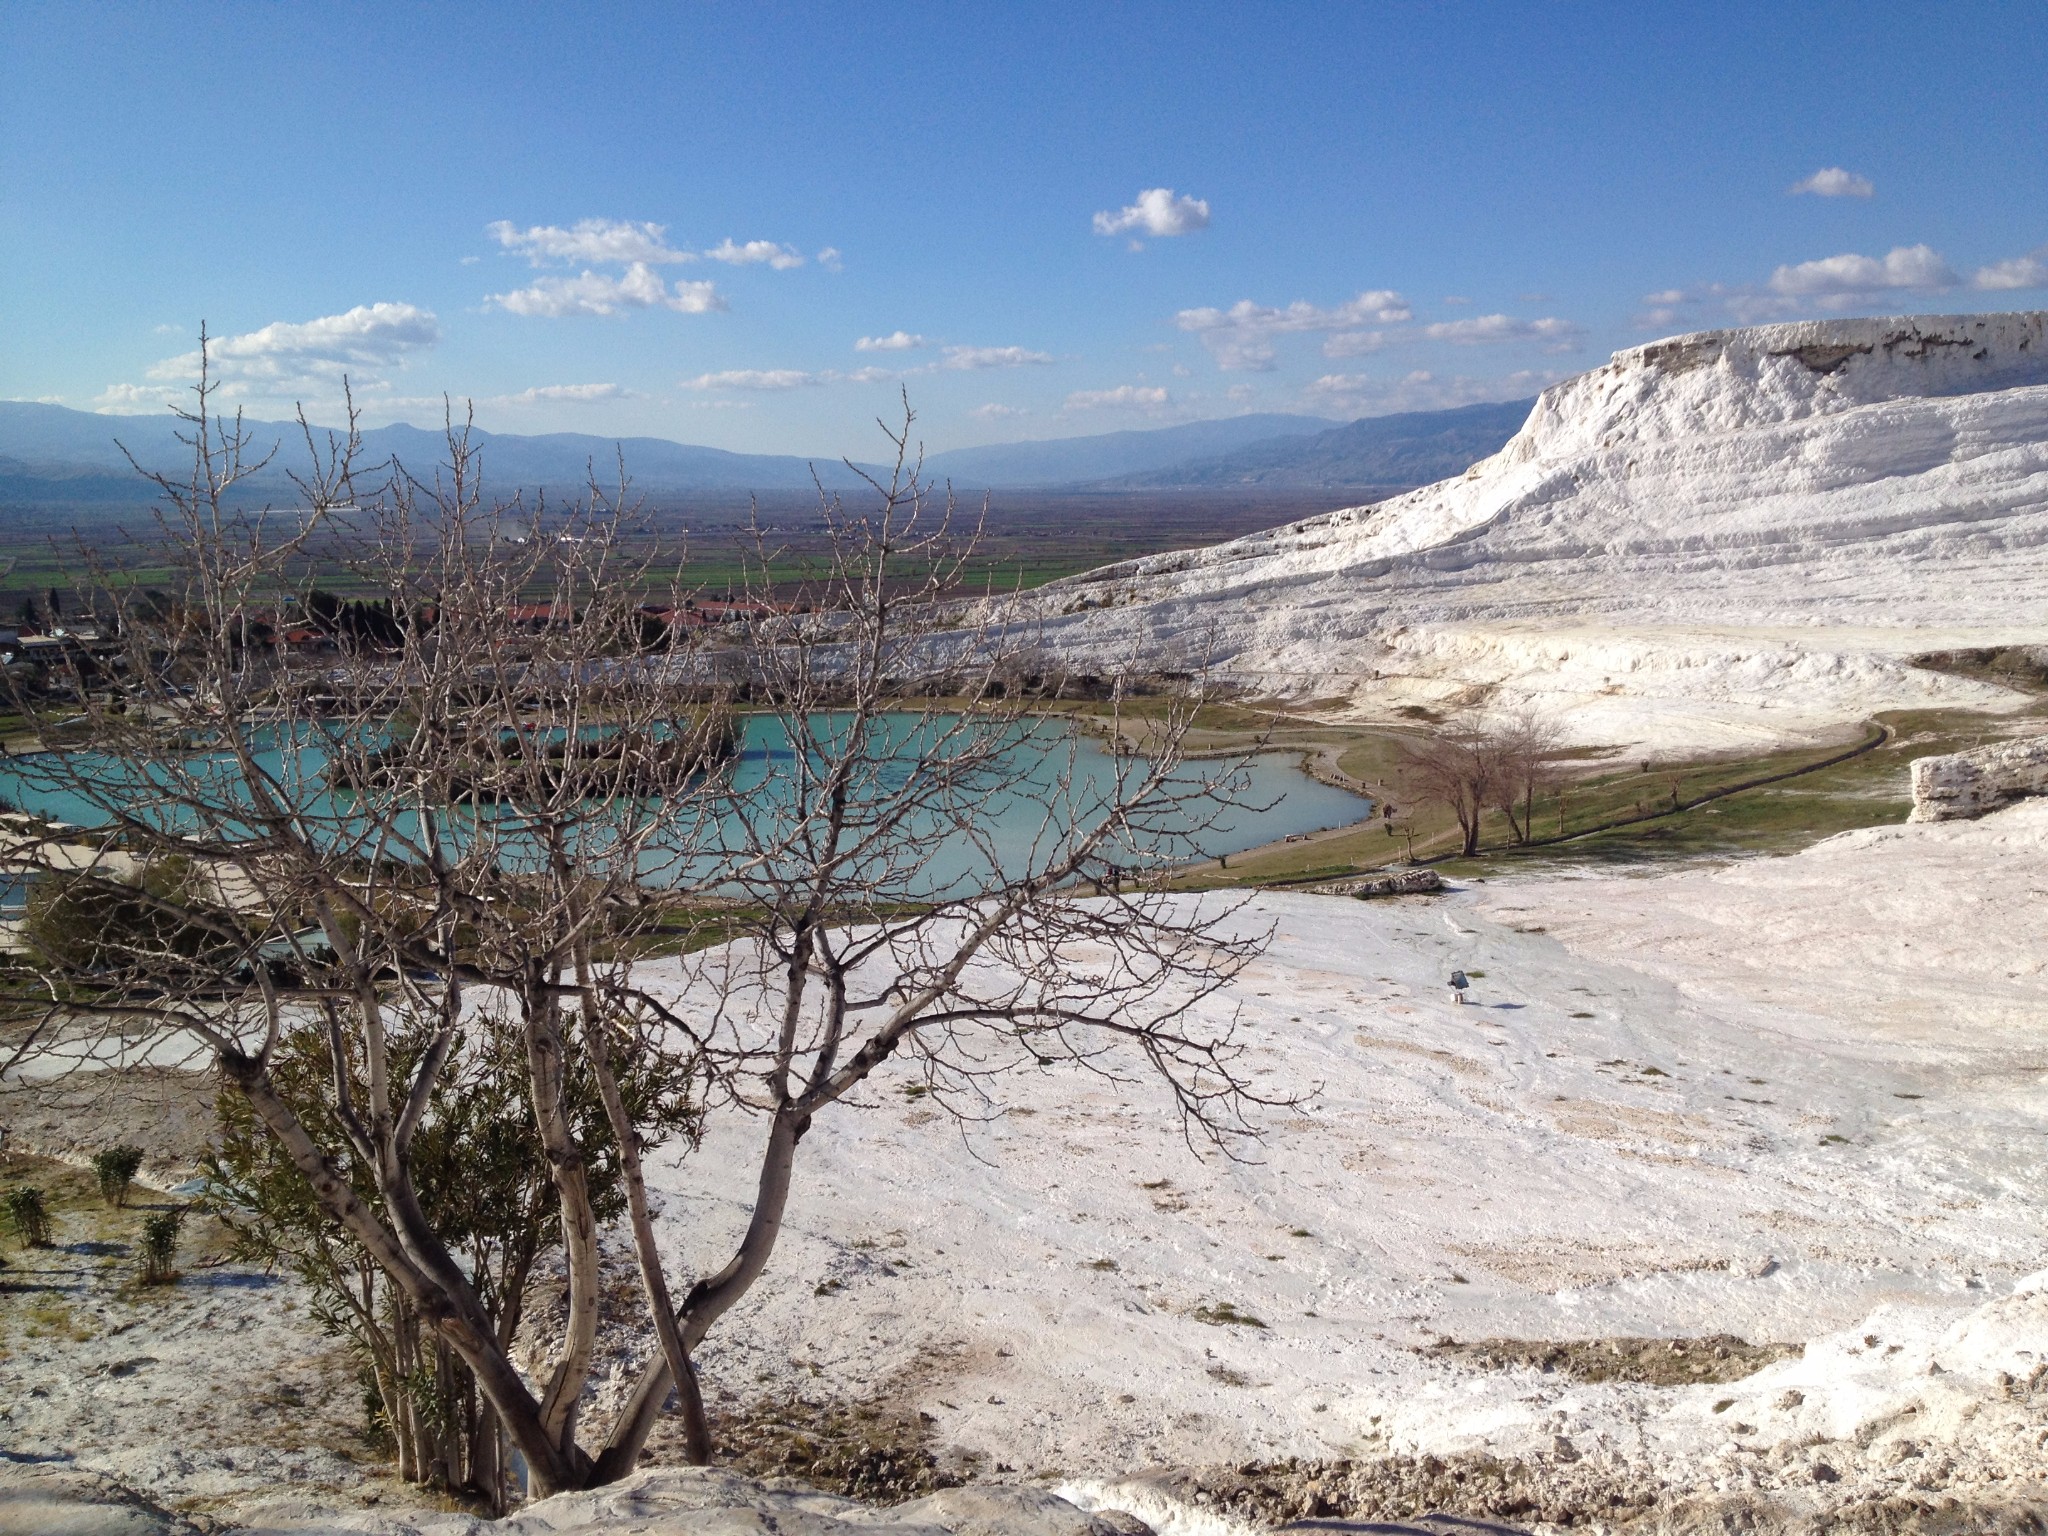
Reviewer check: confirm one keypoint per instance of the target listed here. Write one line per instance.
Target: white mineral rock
(1962, 785)
(1716, 540)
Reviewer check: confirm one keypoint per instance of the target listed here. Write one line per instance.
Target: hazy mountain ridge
(1079, 460)
(1410, 448)
(52, 454)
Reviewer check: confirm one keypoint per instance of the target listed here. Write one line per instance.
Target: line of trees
(438, 1054)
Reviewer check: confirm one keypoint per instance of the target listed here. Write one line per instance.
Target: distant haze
(52, 455)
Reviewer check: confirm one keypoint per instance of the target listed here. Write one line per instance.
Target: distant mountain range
(1414, 448)
(51, 455)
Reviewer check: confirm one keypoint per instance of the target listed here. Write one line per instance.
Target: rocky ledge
(1963, 785)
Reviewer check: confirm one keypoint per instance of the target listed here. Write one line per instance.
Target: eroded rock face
(1964, 785)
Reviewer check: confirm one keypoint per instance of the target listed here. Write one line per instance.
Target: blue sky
(682, 220)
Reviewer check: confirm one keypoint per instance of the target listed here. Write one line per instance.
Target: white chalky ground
(1679, 1109)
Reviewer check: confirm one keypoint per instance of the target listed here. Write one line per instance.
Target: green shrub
(160, 1247)
(29, 1214)
(116, 1167)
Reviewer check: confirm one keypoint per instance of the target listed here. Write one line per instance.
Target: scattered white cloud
(1355, 344)
(831, 260)
(1125, 397)
(768, 380)
(756, 253)
(1552, 334)
(1456, 298)
(168, 330)
(2030, 271)
(993, 357)
(600, 293)
(119, 399)
(1849, 277)
(1241, 337)
(994, 412)
(1362, 395)
(1836, 283)
(759, 379)
(895, 341)
(1239, 393)
(1157, 212)
(291, 355)
(1832, 181)
(564, 394)
(617, 241)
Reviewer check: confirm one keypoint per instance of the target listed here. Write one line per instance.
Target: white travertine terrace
(1716, 540)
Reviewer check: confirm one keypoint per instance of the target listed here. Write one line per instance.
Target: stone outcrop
(1409, 882)
(1962, 785)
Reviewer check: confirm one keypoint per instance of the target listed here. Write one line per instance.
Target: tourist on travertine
(1458, 986)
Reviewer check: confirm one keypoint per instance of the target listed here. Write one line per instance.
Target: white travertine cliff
(1714, 540)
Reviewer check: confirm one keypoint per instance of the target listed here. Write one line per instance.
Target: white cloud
(1849, 276)
(756, 253)
(1125, 397)
(1355, 344)
(599, 293)
(1832, 181)
(1482, 330)
(1156, 212)
(119, 399)
(994, 412)
(830, 259)
(895, 341)
(565, 394)
(994, 357)
(617, 241)
(1241, 337)
(2029, 271)
(771, 379)
(1240, 393)
(287, 355)
(1361, 395)
(755, 379)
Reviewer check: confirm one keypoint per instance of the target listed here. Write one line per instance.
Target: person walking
(1458, 985)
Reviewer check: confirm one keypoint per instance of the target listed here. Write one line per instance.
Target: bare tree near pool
(1472, 767)
(1458, 768)
(403, 774)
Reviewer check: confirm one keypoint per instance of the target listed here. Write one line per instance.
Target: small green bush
(160, 1247)
(29, 1214)
(116, 1167)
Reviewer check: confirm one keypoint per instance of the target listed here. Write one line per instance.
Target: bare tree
(1459, 768)
(1471, 767)
(509, 767)
(1524, 750)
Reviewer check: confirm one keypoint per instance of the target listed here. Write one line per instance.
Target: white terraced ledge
(1719, 540)
(1963, 785)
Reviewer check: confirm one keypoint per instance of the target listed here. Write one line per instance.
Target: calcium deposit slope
(1718, 539)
